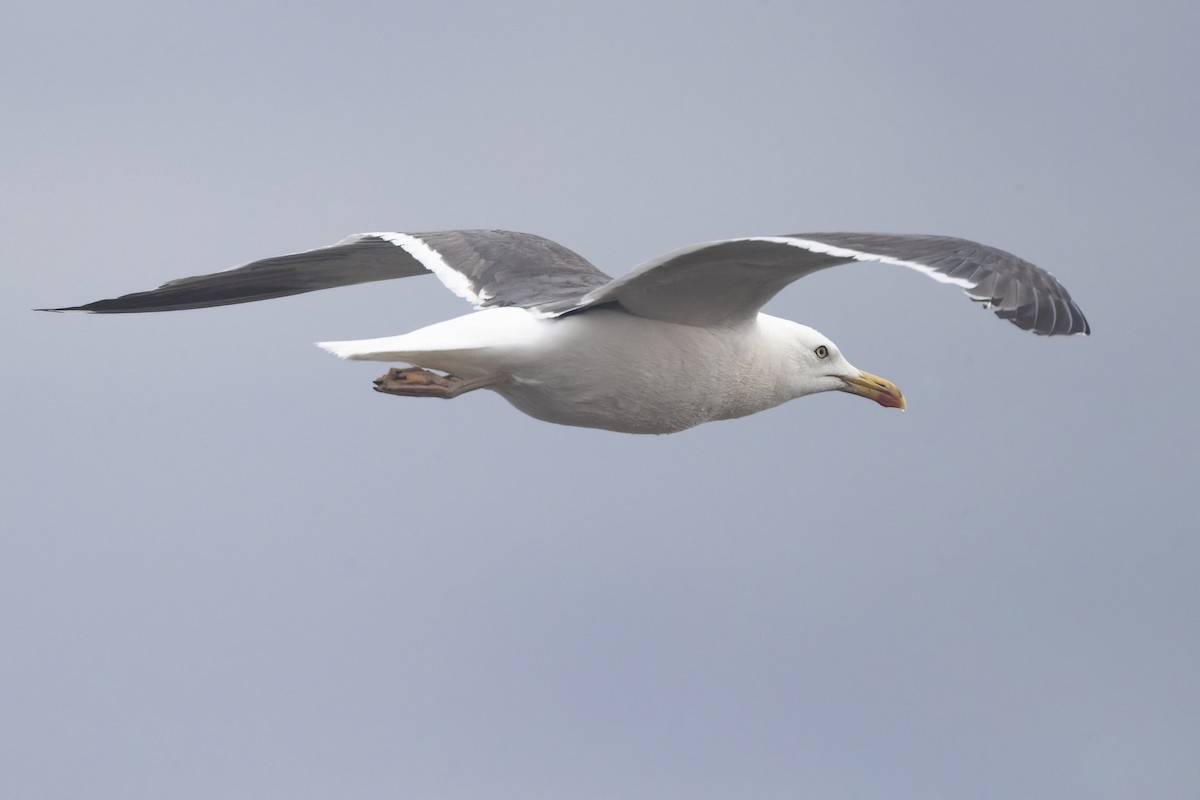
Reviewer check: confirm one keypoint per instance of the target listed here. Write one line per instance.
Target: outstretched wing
(729, 281)
(486, 268)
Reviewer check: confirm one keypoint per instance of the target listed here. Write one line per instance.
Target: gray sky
(229, 569)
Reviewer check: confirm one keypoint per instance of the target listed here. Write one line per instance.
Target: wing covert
(488, 268)
(728, 281)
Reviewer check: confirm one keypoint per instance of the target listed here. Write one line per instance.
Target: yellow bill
(873, 387)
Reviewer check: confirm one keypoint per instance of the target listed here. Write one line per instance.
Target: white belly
(599, 369)
(609, 369)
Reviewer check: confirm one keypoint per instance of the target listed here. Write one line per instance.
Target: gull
(677, 342)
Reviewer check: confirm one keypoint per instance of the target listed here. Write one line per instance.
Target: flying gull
(675, 343)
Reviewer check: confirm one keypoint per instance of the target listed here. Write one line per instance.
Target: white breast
(609, 369)
(602, 368)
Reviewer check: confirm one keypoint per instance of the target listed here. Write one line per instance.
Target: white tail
(385, 349)
(493, 329)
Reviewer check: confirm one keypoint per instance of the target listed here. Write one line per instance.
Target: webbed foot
(418, 382)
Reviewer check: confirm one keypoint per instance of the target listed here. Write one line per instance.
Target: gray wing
(729, 281)
(487, 268)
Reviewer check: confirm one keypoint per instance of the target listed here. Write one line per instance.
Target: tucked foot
(418, 382)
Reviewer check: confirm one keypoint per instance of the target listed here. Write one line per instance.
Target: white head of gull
(677, 342)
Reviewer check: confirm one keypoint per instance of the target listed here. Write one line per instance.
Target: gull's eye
(821, 351)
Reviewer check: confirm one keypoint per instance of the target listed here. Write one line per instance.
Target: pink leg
(418, 382)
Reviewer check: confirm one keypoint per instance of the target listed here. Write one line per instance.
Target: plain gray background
(228, 569)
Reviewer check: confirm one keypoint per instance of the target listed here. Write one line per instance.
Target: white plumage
(675, 343)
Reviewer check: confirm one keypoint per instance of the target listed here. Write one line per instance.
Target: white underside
(603, 368)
